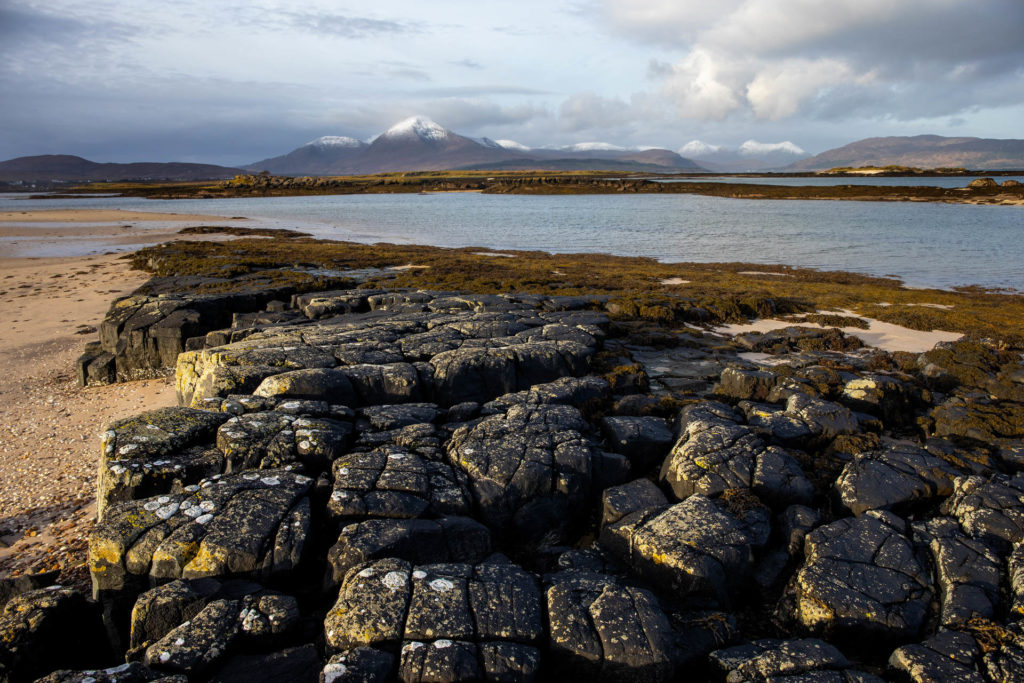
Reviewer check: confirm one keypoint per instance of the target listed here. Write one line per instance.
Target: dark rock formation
(374, 485)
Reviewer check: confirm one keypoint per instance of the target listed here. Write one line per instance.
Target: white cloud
(777, 59)
(696, 148)
(755, 148)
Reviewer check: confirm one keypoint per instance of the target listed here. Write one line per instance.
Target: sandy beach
(49, 425)
(49, 446)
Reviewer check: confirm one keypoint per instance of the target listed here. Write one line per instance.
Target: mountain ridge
(64, 168)
(922, 151)
(420, 144)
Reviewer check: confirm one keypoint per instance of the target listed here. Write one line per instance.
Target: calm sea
(926, 245)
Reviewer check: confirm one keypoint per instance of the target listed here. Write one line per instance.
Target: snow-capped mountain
(335, 141)
(593, 147)
(421, 144)
(416, 128)
(512, 144)
(749, 156)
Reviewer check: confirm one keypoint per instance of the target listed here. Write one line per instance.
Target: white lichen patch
(396, 580)
(441, 585)
(204, 519)
(443, 644)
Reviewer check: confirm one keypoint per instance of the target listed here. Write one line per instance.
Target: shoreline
(53, 306)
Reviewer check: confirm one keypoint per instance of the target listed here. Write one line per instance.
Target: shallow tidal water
(924, 244)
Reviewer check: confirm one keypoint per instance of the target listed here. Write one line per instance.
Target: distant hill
(922, 151)
(63, 168)
(419, 144)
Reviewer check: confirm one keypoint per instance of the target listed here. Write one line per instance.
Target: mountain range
(419, 144)
(61, 168)
(921, 151)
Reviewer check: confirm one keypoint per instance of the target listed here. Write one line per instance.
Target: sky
(232, 82)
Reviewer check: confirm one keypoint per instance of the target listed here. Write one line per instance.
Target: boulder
(771, 659)
(716, 452)
(743, 384)
(161, 609)
(529, 470)
(637, 495)
(448, 621)
(420, 541)
(253, 524)
(966, 572)
(946, 656)
(978, 419)
(644, 440)
(898, 477)
(860, 577)
(990, 509)
(602, 631)
(693, 548)
(46, 629)
(392, 481)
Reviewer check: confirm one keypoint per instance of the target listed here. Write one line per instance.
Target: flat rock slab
(468, 356)
(946, 656)
(395, 482)
(693, 548)
(603, 631)
(716, 452)
(990, 509)
(860, 577)
(529, 470)
(771, 659)
(251, 524)
(420, 541)
(449, 621)
(896, 477)
(154, 452)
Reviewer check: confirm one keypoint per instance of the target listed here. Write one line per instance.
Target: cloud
(755, 148)
(335, 25)
(480, 90)
(696, 148)
(777, 59)
(585, 111)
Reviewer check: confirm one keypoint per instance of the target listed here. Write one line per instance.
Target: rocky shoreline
(377, 483)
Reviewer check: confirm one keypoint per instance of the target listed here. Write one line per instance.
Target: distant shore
(1008, 193)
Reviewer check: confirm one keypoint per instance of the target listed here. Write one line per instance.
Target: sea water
(924, 244)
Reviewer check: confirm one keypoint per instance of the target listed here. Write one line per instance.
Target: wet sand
(99, 216)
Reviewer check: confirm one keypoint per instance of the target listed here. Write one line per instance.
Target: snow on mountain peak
(754, 148)
(419, 126)
(594, 147)
(335, 141)
(696, 148)
(511, 144)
